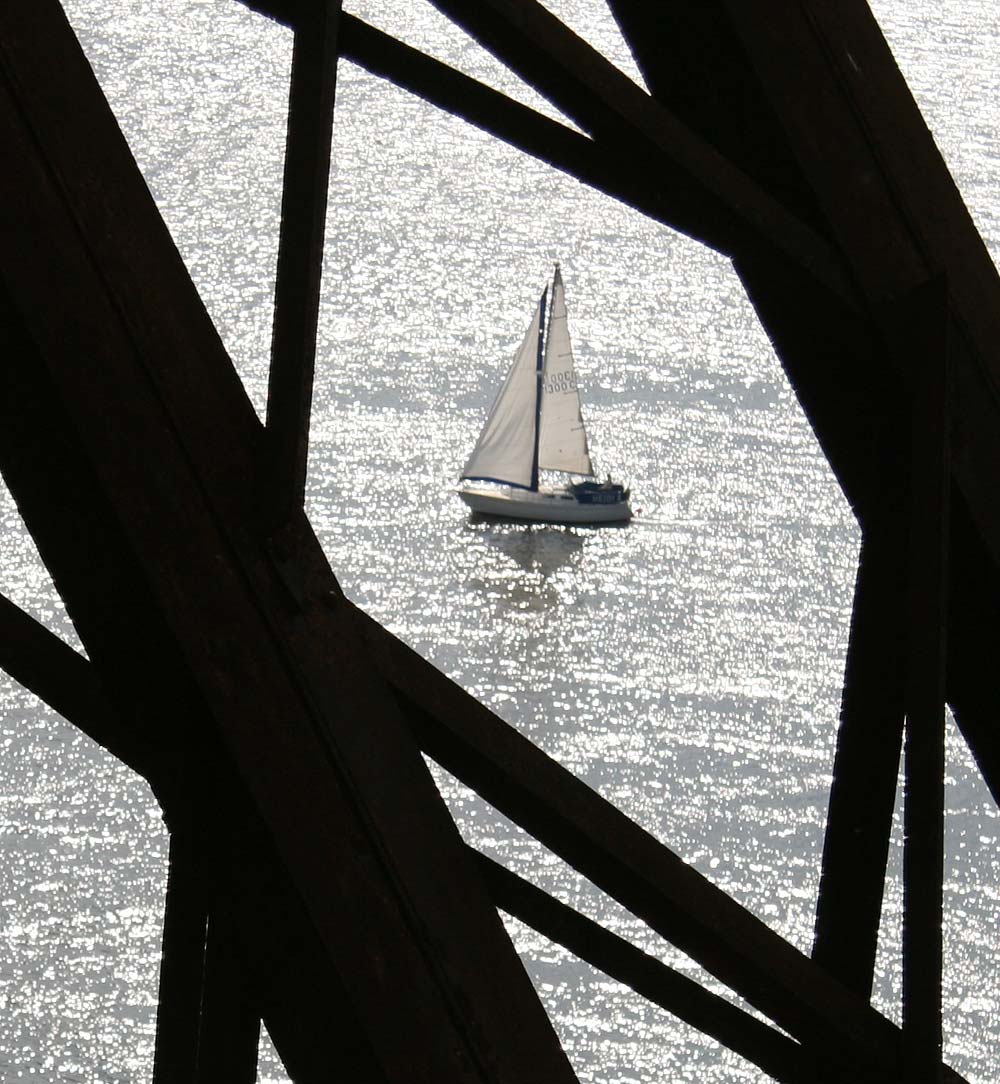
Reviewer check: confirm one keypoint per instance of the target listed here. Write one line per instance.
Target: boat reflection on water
(540, 549)
(520, 569)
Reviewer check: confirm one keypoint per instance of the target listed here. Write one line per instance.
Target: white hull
(544, 506)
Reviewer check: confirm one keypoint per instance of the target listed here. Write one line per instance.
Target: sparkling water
(688, 667)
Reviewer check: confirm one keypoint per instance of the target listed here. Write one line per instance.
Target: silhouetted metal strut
(316, 880)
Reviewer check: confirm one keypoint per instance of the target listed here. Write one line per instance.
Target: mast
(539, 376)
(562, 435)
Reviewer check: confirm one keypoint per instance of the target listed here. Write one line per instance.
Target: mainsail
(506, 449)
(562, 439)
(535, 422)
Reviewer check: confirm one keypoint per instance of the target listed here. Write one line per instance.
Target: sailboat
(534, 425)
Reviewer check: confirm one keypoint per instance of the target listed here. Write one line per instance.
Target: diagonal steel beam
(663, 195)
(779, 1057)
(459, 94)
(275, 674)
(695, 188)
(300, 253)
(303, 601)
(188, 935)
(880, 664)
(623, 860)
(512, 756)
(889, 200)
(182, 959)
(863, 788)
(624, 119)
(619, 857)
(924, 751)
(415, 680)
(48, 667)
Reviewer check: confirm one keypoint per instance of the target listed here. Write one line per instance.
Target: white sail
(562, 439)
(505, 451)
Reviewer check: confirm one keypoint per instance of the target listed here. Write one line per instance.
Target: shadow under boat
(538, 548)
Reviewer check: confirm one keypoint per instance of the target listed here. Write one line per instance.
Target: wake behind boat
(535, 424)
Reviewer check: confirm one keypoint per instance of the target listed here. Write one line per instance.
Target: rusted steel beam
(779, 1057)
(924, 753)
(626, 862)
(300, 253)
(279, 684)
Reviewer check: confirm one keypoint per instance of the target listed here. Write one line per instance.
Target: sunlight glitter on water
(687, 667)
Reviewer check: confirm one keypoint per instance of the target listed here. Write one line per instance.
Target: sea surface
(688, 666)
